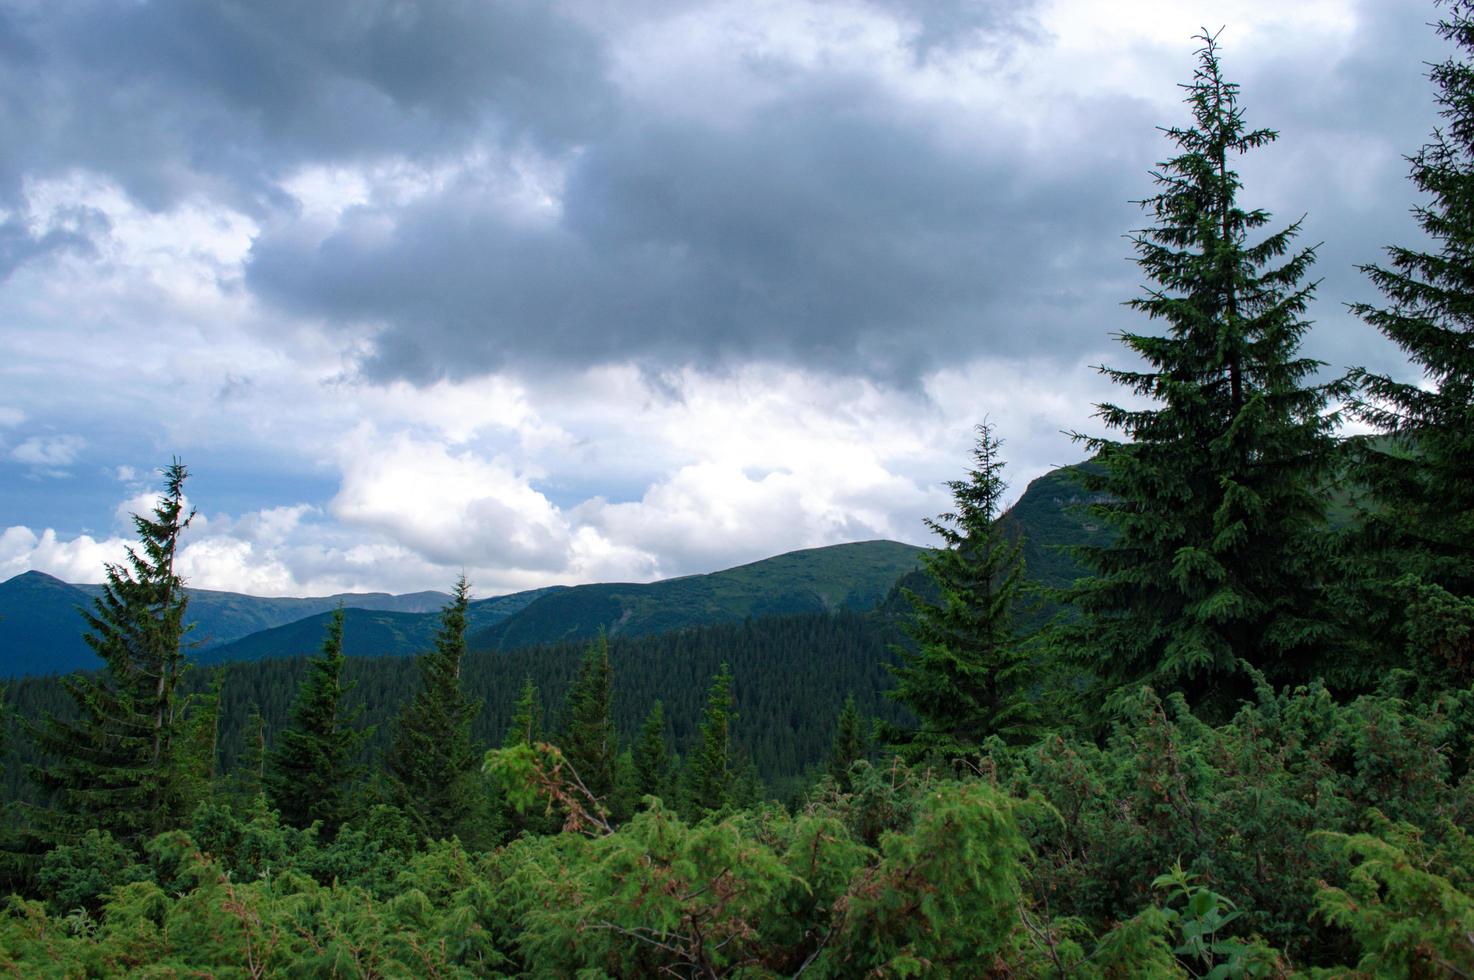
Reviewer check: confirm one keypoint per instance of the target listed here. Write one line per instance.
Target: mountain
(40, 628)
(367, 632)
(41, 632)
(220, 617)
(846, 576)
(1051, 518)
(843, 576)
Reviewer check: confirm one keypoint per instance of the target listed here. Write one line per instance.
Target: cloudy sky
(611, 289)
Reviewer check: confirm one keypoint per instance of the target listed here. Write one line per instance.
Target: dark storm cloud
(840, 227)
(177, 96)
(1345, 130)
(949, 25)
(835, 229)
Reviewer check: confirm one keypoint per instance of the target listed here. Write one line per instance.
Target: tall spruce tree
(968, 676)
(1214, 499)
(432, 764)
(850, 744)
(116, 767)
(590, 743)
(709, 771)
(310, 771)
(527, 717)
(651, 755)
(1419, 533)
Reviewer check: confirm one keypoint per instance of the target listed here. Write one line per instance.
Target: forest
(1238, 744)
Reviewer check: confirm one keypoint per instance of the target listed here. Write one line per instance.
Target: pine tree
(310, 771)
(246, 782)
(850, 744)
(527, 717)
(590, 743)
(652, 756)
(116, 765)
(1215, 500)
(432, 765)
(968, 676)
(199, 743)
(709, 771)
(1419, 538)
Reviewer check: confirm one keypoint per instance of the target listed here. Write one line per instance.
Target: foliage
(431, 764)
(310, 770)
(968, 677)
(1407, 915)
(709, 775)
(589, 741)
(652, 758)
(1417, 529)
(850, 744)
(1214, 498)
(117, 766)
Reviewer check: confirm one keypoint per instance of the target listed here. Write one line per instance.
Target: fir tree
(850, 744)
(967, 677)
(199, 743)
(652, 756)
(246, 782)
(1420, 531)
(527, 716)
(709, 771)
(116, 767)
(590, 743)
(432, 764)
(1214, 501)
(310, 770)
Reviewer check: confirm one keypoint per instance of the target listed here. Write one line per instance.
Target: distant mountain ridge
(854, 577)
(41, 629)
(41, 632)
(368, 632)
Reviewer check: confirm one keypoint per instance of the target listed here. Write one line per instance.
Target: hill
(840, 577)
(366, 632)
(41, 632)
(41, 629)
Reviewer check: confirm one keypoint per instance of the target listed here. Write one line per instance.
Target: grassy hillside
(840, 577)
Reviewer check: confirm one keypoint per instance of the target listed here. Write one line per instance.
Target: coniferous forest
(1238, 744)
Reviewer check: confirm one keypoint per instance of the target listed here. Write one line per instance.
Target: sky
(614, 290)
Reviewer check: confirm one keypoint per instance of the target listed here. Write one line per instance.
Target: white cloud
(80, 559)
(49, 454)
(599, 474)
(449, 506)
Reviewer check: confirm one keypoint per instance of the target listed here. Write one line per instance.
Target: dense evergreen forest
(1242, 747)
(786, 727)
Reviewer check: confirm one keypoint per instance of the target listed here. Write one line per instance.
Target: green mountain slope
(366, 632)
(1050, 517)
(221, 617)
(840, 577)
(40, 631)
(40, 628)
